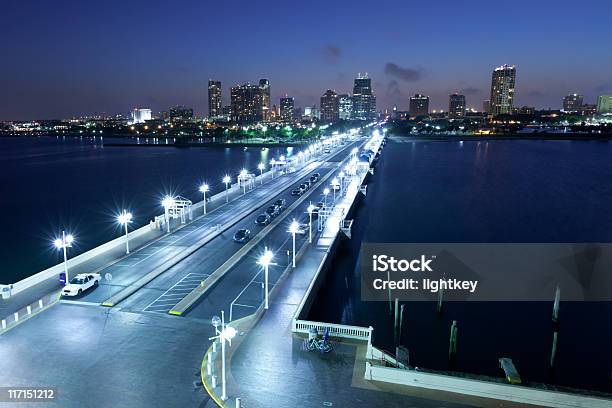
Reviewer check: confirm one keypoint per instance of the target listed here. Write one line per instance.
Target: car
(303, 187)
(80, 283)
(280, 203)
(317, 175)
(297, 192)
(263, 219)
(303, 229)
(308, 183)
(242, 235)
(272, 211)
(314, 179)
(320, 204)
(327, 150)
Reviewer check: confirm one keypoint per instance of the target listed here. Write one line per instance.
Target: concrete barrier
(483, 389)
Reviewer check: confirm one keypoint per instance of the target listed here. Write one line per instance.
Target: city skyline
(63, 62)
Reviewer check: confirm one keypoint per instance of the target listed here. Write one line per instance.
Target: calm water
(499, 191)
(49, 183)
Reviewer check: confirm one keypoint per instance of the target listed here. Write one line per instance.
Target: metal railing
(335, 330)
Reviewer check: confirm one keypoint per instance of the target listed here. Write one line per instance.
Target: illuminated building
(604, 104)
(364, 101)
(214, 98)
(456, 106)
(329, 107)
(502, 89)
(345, 106)
(419, 105)
(180, 113)
(140, 115)
(572, 103)
(246, 103)
(286, 108)
(264, 85)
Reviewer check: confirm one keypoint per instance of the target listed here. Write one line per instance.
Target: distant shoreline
(513, 136)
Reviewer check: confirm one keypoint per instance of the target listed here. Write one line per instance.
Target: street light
(227, 179)
(167, 202)
(266, 260)
(124, 219)
(227, 333)
(310, 209)
(341, 175)
(64, 243)
(273, 163)
(334, 184)
(203, 190)
(325, 193)
(261, 168)
(293, 229)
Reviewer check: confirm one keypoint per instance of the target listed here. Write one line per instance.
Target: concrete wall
(483, 389)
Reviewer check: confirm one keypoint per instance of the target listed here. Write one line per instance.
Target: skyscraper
(364, 101)
(286, 108)
(502, 89)
(345, 106)
(140, 115)
(604, 104)
(246, 103)
(329, 107)
(214, 98)
(572, 103)
(456, 106)
(264, 84)
(419, 105)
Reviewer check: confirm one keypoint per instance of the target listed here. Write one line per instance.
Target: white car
(81, 283)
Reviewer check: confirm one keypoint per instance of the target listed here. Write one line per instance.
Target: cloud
(470, 90)
(393, 89)
(404, 74)
(332, 54)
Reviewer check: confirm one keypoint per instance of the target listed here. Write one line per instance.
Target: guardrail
(28, 311)
(335, 330)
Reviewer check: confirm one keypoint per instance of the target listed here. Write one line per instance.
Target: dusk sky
(64, 58)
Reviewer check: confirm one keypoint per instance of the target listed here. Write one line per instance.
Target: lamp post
(293, 229)
(266, 260)
(325, 193)
(273, 164)
(310, 210)
(226, 180)
(124, 219)
(64, 243)
(261, 168)
(341, 175)
(227, 333)
(203, 190)
(167, 202)
(334, 184)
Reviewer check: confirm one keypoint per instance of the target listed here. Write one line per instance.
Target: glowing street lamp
(63, 244)
(227, 333)
(124, 219)
(227, 180)
(167, 202)
(293, 229)
(334, 184)
(310, 209)
(325, 193)
(261, 168)
(203, 189)
(242, 178)
(266, 260)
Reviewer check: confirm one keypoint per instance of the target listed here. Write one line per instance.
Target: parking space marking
(176, 292)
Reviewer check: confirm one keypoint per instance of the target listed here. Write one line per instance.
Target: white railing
(28, 311)
(335, 330)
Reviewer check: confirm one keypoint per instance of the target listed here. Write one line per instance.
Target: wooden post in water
(399, 340)
(452, 346)
(553, 351)
(396, 322)
(555, 315)
(440, 299)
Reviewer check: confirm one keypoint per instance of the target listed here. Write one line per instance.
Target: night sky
(64, 58)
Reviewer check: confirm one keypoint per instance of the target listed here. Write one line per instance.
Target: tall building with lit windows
(419, 105)
(329, 106)
(456, 106)
(604, 104)
(345, 107)
(287, 105)
(264, 85)
(214, 99)
(364, 100)
(572, 103)
(246, 103)
(502, 90)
